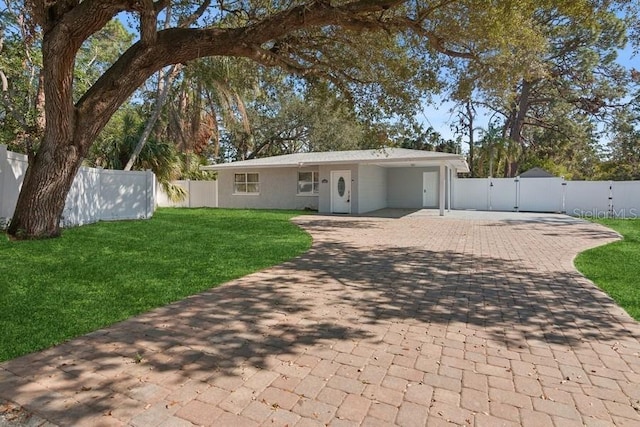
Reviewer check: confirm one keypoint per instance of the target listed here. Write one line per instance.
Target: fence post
(517, 206)
(148, 181)
(489, 193)
(564, 196)
(215, 187)
(4, 164)
(611, 209)
(155, 192)
(99, 209)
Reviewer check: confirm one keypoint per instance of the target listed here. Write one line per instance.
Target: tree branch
(185, 44)
(189, 20)
(161, 5)
(77, 21)
(148, 21)
(270, 59)
(3, 77)
(4, 81)
(180, 45)
(436, 42)
(164, 84)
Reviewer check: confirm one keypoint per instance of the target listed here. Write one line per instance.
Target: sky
(438, 115)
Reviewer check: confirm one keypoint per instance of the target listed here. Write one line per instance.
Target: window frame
(246, 183)
(315, 184)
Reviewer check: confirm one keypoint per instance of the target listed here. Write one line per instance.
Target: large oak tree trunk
(41, 202)
(52, 169)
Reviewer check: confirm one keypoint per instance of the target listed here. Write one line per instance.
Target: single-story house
(350, 182)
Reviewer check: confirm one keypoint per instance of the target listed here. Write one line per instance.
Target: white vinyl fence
(199, 194)
(602, 199)
(619, 199)
(96, 194)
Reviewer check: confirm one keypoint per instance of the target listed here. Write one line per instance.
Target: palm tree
(210, 96)
(160, 156)
(492, 151)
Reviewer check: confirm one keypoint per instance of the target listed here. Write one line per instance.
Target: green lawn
(615, 267)
(93, 276)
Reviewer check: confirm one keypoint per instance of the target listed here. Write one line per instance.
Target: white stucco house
(349, 182)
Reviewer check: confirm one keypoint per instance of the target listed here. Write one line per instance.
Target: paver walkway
(414, 321)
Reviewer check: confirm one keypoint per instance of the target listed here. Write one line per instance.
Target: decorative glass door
(341, 192)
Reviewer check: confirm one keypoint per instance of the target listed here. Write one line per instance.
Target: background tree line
(573, 111)
(338, 76)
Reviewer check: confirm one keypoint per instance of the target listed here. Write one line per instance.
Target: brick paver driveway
(414, 321)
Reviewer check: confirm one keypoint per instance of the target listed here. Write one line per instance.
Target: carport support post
(449, 186)
(442, 188)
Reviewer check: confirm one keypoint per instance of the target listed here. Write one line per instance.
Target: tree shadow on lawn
(335, 294)
(224, 335)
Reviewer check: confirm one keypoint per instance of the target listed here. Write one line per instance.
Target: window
(308, 183)
(246, 183)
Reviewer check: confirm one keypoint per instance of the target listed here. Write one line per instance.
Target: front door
(341, 192)
(430, 189)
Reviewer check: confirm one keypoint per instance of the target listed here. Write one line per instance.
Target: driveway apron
(413, 321)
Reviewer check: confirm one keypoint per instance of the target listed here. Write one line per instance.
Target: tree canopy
(558, 108)
(76, 65)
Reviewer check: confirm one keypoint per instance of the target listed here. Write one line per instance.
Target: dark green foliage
(428, 139)
(113, 148)
(623, 162)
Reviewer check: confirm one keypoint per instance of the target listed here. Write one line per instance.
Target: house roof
(385, 157)
(537, 173)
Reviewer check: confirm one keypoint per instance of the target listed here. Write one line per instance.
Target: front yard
(96, 275)
(93, 276)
